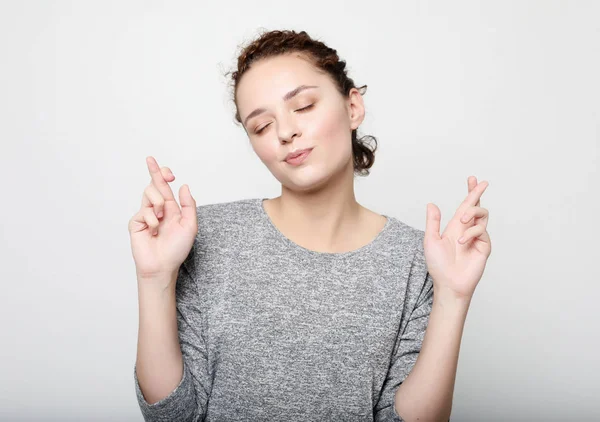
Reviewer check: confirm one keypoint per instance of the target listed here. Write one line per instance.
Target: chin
(309, 177)
(304, 181)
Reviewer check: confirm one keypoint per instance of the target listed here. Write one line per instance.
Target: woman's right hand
(162, 234)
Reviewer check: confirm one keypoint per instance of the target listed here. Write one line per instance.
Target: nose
(288, 128)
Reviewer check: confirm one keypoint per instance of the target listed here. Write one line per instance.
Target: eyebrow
(286, 97)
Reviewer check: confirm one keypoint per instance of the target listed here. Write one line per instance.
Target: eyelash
(258, 132)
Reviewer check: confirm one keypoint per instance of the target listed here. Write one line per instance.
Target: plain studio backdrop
(507, 91)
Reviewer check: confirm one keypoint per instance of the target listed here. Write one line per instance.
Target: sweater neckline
(296, 247)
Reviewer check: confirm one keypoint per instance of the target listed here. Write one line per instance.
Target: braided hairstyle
(324, 59)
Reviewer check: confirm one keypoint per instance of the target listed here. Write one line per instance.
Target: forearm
(159, 362)
(426, 394)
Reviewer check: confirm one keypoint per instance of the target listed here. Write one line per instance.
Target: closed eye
(300, 109)
(305, 108)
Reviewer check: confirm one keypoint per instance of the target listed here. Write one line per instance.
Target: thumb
(432, 223)
(188, 207)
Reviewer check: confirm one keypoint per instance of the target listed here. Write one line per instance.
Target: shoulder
(215, 216)
(408, 240)
(221, 225)
(409, 237)
(228, 208)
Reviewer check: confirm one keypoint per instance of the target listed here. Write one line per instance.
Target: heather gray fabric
(271, 331)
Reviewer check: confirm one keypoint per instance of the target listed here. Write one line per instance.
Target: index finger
(474, 195)
(158, 179)
(471, 183)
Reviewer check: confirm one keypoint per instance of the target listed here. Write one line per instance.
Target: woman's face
(317, 116)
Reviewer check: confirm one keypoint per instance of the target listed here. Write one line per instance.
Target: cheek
(333, 129)
(266, 150)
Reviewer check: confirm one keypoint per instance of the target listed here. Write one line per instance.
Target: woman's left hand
(456, 265)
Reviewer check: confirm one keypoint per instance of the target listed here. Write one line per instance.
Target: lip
(298, 156)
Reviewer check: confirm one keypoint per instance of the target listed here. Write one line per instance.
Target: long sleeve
(410, 339)
(187, 402)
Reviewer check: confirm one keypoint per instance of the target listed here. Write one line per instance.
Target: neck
(323, 218)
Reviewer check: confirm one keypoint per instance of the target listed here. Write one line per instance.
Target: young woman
(307, 306)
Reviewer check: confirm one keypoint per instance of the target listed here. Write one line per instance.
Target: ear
(356, 108)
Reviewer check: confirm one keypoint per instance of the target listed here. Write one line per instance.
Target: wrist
(449, 297)
(157, 284)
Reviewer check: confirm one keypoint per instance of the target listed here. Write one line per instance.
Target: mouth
(298, 156)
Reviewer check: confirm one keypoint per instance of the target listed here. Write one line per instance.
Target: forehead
(269, 79)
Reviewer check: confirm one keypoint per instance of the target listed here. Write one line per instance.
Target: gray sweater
(271, 331)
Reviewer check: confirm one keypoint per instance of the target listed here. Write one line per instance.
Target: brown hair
(326, 59)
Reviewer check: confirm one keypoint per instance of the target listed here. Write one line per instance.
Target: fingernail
(160, 214)
(461, 240)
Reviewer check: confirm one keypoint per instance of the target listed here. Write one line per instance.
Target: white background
(507, 91)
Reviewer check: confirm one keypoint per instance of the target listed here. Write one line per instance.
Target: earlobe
(357, 117)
